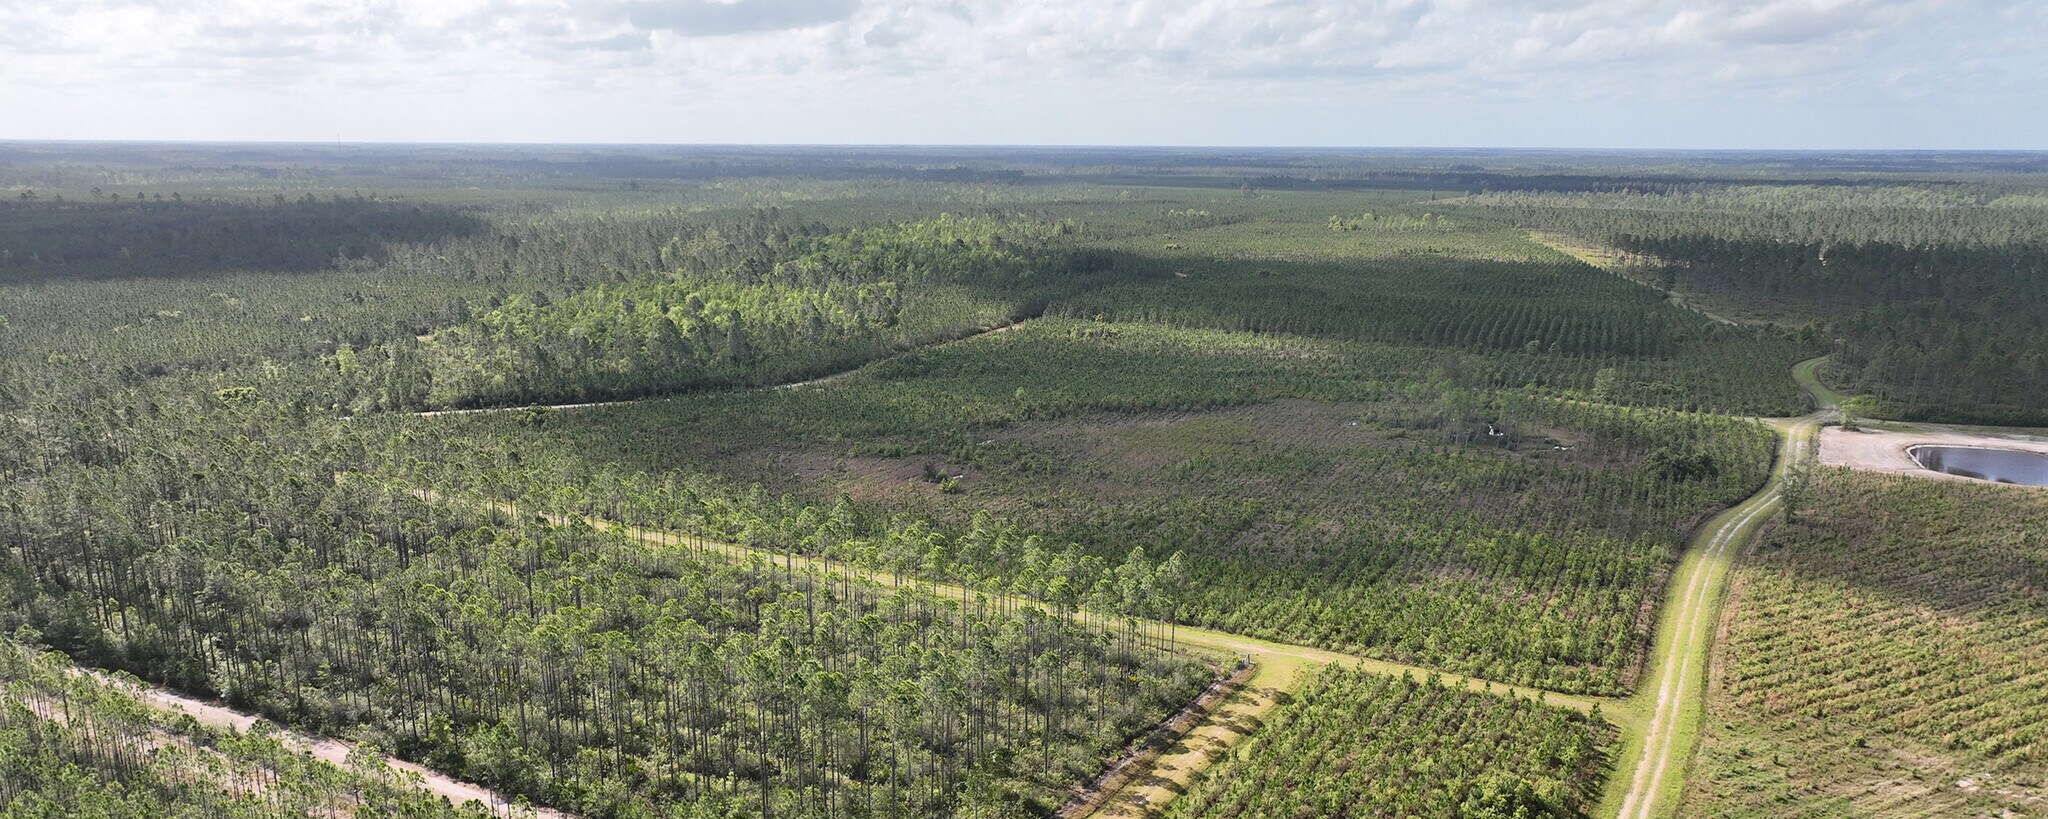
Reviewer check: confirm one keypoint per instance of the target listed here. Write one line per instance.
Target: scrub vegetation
(1517, 538)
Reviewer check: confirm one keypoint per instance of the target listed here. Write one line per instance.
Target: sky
(1820, 74)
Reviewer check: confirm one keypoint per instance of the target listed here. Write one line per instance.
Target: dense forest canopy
(113, 237)
(1930, 295)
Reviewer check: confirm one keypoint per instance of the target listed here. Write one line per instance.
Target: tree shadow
(101, 239)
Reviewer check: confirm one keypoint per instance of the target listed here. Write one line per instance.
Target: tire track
(1659, 738)
(1664, 750)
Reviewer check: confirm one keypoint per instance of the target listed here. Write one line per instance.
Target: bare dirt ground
(1885, 450)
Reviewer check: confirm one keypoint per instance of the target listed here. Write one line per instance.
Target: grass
(1659, 744)
(1807, 373)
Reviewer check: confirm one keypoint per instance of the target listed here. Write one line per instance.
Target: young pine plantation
(1883, 656)
(916, 490)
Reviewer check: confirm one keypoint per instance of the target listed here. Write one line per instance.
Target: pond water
(2001, 465)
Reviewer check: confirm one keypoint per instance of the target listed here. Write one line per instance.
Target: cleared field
(1882, 657)
(1503, 536)
(1888, 450)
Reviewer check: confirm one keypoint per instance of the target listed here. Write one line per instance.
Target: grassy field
(1882, 657)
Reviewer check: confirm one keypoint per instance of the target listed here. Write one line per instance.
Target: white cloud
(711, 18)
(1482, 71)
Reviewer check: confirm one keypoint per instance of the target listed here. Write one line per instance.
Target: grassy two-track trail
(1654, 755)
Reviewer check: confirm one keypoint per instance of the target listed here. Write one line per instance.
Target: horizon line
(307, 143)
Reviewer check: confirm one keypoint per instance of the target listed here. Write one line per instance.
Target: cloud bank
(1596, 73)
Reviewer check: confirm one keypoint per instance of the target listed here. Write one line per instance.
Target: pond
(2001, 465)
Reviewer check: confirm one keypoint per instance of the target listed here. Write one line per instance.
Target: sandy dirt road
(332, 751)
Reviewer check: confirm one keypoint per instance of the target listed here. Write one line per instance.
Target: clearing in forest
(1887, 447)
(1312, 508)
